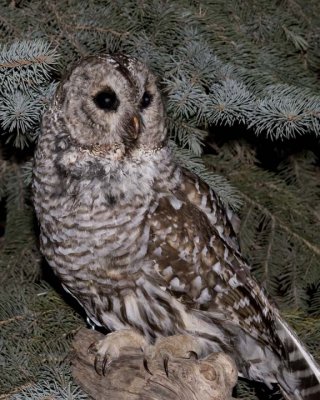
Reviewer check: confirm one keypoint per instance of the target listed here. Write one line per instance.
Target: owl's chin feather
(115, 151)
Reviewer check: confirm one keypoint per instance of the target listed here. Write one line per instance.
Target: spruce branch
(286, 116)
(299, 42)
(266, 264)
(229, 102)
(7, 28)
(282, 224)
(64, 27)
(36, 53)
(187, 134)
(96, 29)
(26, 63)
(20, 114)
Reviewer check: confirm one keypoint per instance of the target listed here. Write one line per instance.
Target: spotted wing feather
(195, 251)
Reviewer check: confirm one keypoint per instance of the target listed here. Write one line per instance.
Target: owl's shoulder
(197, 192)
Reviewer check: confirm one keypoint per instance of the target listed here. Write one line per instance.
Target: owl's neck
(140, 174)
(146, 171)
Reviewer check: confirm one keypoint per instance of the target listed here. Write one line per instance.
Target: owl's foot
(109, 348)
(178, 346)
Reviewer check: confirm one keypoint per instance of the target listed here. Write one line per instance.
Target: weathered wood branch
(189, 379)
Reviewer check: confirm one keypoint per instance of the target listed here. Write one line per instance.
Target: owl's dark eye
(146, 100)
(106, 100)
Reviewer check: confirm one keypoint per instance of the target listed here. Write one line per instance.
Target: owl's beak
(136, 125)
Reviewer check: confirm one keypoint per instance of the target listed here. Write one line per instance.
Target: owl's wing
(195, 250)
(202, 268)
(224, 220)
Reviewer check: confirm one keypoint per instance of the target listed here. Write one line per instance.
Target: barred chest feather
(95, 228)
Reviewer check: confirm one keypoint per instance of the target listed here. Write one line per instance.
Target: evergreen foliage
(242, 90)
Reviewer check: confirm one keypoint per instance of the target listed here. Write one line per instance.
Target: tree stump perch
(212, 378)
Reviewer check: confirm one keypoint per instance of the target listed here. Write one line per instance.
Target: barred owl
(143, 244)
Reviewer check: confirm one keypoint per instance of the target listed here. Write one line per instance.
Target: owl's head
(111, 100)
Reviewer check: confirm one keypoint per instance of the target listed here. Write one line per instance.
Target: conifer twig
(315, 249)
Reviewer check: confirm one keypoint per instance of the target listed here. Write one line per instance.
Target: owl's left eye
(106, 100)
(146, 100)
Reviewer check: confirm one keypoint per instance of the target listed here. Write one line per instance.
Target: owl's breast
(84, 231)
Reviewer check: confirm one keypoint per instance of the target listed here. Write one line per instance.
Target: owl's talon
(110, 348)
(166, 348)
(101, 364)
(193, 355)
(146, 367)
(92, 348)
(96, 365)
(165, 365)
(105, 365)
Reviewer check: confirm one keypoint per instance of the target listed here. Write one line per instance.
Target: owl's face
(112, 101)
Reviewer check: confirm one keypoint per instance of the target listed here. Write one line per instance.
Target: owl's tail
(286, 362)
(299, 378)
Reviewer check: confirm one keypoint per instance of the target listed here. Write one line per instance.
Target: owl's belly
(98, 254)
(103, 268)
(91, 243)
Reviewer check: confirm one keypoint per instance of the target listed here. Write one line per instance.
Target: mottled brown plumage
(140, 242)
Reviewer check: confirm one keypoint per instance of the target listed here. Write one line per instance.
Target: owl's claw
(171, 347)
(110, 348)
(92, 348)
(165, 365)
(101, 364)
(145, 364)
(105, 364)
(193, 355)
(96, 364)
(165, 362)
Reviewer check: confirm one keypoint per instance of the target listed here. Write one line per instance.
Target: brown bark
(188, 379)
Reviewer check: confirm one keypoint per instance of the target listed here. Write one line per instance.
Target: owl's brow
(125, 72)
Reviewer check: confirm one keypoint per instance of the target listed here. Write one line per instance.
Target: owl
(145, 246)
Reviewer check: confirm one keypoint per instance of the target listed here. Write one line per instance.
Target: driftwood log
(211, 378)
